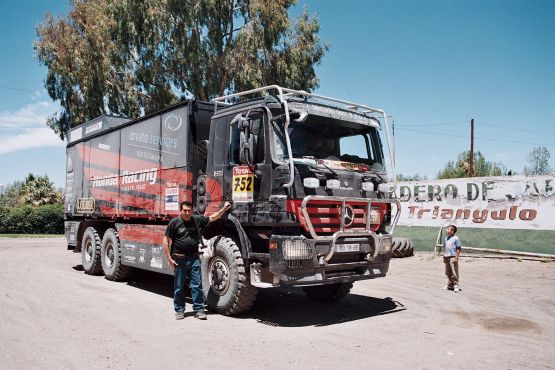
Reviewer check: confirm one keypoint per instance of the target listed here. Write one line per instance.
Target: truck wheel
(328, 293)
(90, 252)
(402, 248)
(110, 252)
(225, 283)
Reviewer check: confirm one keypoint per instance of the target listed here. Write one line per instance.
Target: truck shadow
(285, 307)
(289, 307)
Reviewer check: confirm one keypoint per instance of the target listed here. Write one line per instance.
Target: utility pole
(471, 172)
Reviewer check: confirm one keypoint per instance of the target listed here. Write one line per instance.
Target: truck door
(248, 165)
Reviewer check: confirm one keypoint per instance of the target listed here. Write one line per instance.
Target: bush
(47, 219)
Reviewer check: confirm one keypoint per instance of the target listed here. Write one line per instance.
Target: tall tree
(538, 162)
(461, 167)
(131, 57)
(37, 191)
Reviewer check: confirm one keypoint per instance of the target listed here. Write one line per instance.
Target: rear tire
(90, 252)
(328, 293)
(110, 253)
(402, 248)
(225, 283)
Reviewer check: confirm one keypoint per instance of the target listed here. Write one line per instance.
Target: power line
(15, 88)
(429, 124)
(478, 138)
(510, 128)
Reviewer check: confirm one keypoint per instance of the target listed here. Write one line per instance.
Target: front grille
(325, 216)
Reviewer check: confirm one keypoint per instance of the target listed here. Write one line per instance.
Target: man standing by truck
(183, 235)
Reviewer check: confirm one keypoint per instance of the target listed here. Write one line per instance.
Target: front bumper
(345, 257)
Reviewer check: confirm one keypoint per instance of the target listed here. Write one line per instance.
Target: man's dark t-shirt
(184, 234)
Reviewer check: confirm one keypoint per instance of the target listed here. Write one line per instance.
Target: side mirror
(246, 141)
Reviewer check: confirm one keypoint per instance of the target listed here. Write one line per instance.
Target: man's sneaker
(200, 315)
(456, 289)
(179, 315)
(447, 287)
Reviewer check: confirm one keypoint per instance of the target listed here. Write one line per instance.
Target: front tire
(329, 292)
(225, 283)
(110, 253)
(90, 252)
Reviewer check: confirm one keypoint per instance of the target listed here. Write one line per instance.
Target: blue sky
(432, 65)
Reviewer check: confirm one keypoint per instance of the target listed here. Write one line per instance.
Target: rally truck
(305, 174)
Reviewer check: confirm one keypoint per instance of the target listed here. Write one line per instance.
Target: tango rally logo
(127, 177)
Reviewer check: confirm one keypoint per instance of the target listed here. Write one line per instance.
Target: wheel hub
(88, 251)
(109, 258)
(218, 275)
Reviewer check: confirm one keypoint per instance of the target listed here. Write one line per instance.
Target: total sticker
(243, 184)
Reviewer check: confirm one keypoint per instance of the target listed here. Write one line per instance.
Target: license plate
(347, 248)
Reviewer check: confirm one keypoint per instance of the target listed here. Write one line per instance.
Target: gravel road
(56, 316)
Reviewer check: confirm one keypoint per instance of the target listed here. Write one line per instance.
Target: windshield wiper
(320, 163)
(376, 173)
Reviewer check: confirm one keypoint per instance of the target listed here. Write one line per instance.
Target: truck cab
(306, 175)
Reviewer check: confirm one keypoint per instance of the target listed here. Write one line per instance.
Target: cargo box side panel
(176, 176)
(103, 172)
(142, 247)
(139, 171)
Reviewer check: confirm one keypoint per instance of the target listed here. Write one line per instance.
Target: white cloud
(31, 115)
(25, 128)
(29, 139)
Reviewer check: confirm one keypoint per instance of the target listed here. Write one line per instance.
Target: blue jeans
(187, 269)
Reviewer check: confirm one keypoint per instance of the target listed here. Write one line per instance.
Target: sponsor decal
(336, 113)
(156, 260)
(173, 122)
(127, 178)
(142, 252)
(338, 165)
(85, 205)
(242, 184)
(155, 140)
(172, 199)
(218, 173)
(103, 146)
(93, 127)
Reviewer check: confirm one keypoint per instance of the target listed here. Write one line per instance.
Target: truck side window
(258, 140)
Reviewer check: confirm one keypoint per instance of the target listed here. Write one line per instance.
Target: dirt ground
(56, 316)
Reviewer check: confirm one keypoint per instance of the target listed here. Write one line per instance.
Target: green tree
(461, 167)
(10, 197)
(538, 162)
(130, 57)
(37, 191)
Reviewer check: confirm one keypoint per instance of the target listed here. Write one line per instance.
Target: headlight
(385, 245)
(311, 182)
(385, 188)
(296, 249)
(368, 186)
(333, 184)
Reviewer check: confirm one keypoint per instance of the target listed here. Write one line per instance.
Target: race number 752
(243, 183)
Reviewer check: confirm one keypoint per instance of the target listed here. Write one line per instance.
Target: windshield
(315, 138)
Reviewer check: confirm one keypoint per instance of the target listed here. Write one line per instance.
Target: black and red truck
(305, 173)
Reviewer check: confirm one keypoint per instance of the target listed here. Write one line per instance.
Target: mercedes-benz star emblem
(349, 216)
